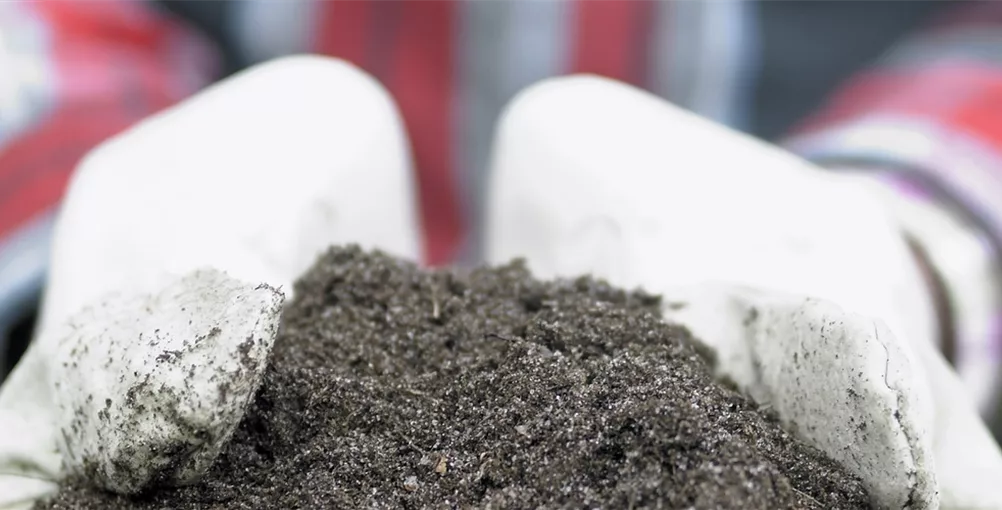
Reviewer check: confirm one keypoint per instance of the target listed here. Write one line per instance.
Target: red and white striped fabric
(451, 67)
(108, 65)
(73, 74)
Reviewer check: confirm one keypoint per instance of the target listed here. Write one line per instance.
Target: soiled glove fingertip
(152, 387)
(844, 383)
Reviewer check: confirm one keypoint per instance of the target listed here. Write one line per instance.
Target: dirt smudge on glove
(395, 387)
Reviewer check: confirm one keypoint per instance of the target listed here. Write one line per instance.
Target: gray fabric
(215, 21)
(266, 29)
(503, 47)
(974, 43)
(808, 49)
(674, 46)
(702, 55)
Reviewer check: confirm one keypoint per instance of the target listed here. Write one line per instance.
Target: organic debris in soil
(395, 387)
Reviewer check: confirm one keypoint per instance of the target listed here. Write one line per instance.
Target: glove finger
(150, 387)
(254, 176)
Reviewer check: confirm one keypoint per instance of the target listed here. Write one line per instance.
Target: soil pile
(395, 387)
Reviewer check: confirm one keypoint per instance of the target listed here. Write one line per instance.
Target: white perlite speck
(150, 387)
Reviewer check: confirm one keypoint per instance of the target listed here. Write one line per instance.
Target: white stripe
(27, 76)
(265, 29)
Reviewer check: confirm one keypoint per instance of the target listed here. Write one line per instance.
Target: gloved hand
(594, 176)
(164, 237)
(274, 221)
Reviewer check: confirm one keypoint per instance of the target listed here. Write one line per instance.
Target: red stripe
(35, 197)
(113, 65)
(342, 28)
(610, 38)
(39, 165)
(981, 114)
(962, 96)
(420, 77)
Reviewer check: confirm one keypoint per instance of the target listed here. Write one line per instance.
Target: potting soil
(396, 387)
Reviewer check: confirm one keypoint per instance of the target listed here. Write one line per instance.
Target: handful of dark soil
(394, 387)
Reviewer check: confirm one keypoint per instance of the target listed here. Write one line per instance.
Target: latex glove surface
(592, 176)
(165, 235)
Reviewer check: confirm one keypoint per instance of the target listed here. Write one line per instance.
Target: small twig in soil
(412, 391)
(808, 496)
(418, 393)
(442, 466)
(347, 419)
(498, 337)
(412, 445)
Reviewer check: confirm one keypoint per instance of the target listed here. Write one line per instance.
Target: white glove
(252, 177)
(594, 176)
(274, 221)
